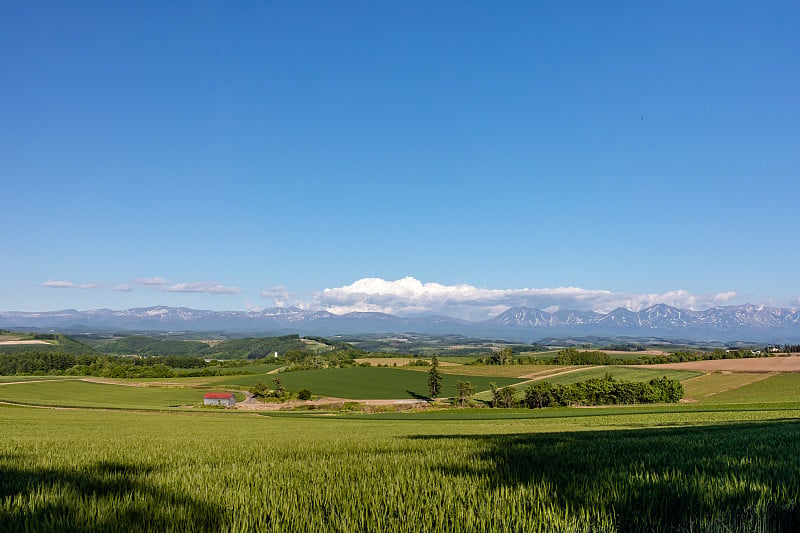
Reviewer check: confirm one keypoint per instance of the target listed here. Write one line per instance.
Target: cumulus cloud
(122, 288)
(92, 285)
(207, 287)
(58, 284)
(409, 296)
(723, 297)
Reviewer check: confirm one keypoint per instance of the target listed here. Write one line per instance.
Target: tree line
(248, 348)
(68, 364)
(596, 391)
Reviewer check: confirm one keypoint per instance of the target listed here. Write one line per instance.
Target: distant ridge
(730, 323)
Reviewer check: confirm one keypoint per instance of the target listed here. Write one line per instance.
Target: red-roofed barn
(224, 399)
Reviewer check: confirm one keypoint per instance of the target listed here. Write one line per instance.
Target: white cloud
(151, 282)
(122, 288)
(409, 296)
(723, 297)
(207, 287)
(63, 284)
(58, 284)
(253, 307)
(279, 295)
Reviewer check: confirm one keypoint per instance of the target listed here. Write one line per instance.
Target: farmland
(98, 470)
(761, 364)
(620, 372)
(97, 454)
(72, 393)
(775, 388)
(364, 383)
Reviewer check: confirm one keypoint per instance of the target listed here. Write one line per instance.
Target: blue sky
(637, 149)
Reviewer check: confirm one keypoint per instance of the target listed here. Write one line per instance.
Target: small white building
(222, 399)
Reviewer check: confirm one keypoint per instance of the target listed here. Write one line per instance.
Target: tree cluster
(571, 356)
(606, 391)
(504, 356)
(278, 390)
(309, 360)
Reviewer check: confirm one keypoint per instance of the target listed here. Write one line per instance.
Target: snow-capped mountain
(718, 323)
(744, 322)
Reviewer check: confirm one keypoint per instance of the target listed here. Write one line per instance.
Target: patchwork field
(756, 364)
(619, 372)
(778, 388)
(507, 371)
(95, 454)
(398, 361)
(363, 382)
(707, 385)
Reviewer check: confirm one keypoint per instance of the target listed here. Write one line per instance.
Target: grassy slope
(365, 383)
(67, 393)
(507, 371)
(12, 379)
(777, 388)
(621, 373)
(708, 385)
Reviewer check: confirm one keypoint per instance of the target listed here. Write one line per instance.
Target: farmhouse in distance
(223, 399)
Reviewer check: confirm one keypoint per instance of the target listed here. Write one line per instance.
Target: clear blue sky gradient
(628, 146)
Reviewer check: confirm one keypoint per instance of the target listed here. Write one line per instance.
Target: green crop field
(726, 463)
(707, 385)
(215, 471)
(777, 388)
(363, 382)
(508, 371)
(70, 393)
(621, 373)
(15, 379)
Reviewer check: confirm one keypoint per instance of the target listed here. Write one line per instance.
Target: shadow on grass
(729, 477)
(418, 396)
(106, 496)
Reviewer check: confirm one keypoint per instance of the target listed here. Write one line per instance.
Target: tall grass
(107, 471)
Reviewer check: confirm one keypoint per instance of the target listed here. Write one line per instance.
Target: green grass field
(621, 373)
(728, 462)
(363, 382)
(14, 379)
(69, 393)
(707, 385)
(211, 471)
(507, 371)
(778, 388)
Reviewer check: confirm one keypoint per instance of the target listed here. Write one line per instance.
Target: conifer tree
(434, 378)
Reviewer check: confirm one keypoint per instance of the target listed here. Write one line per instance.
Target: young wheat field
(623, 469)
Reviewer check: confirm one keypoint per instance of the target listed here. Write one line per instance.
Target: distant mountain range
(731, 323)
